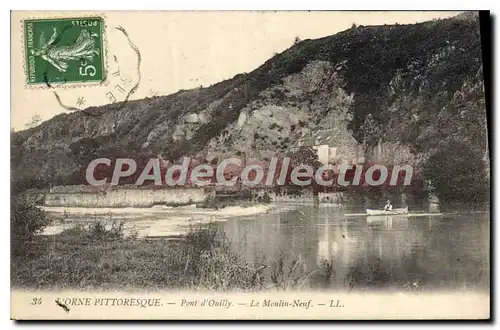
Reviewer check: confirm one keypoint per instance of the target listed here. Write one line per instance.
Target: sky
(180, 50)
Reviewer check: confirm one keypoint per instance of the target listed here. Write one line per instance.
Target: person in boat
(388, 206)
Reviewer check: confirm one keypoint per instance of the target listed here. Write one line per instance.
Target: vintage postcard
(323, 165)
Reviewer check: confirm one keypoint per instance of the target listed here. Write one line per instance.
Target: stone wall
(86, 196)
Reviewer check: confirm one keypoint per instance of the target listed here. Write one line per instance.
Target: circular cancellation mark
(122, 80)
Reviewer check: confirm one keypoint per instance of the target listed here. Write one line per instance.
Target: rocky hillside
(402, 89)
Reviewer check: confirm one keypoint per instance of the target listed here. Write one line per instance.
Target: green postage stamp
(64, 50)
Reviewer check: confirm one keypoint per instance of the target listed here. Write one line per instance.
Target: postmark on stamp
(64, 50)
(122, 79)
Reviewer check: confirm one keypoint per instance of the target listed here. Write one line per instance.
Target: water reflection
(400, 252)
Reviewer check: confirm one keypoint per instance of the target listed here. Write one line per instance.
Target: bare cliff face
(399, 90)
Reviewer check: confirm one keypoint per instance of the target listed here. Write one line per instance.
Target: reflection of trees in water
(368, 273)
(376, 272)
(456, 251)
(387, 272)
(387, 257)
(450, 253)
(364, 253)
(402, 253)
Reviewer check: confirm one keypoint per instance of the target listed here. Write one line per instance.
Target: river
(445, 252)
(321, 247)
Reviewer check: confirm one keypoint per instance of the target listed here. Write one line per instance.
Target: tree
(371, 130)
(456, 173)
(35, 121)
(26, 220)
(305, 156)
(85, 149)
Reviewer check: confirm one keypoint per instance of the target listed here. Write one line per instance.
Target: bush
(211, 261)
(26, 220)
(305, 155)
(456, 173)
(96, 231)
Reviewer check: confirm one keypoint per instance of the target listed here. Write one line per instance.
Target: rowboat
(388, 212)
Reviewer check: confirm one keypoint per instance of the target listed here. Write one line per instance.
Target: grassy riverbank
(95, 257)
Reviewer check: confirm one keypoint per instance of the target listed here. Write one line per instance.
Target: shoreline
(149, 222)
